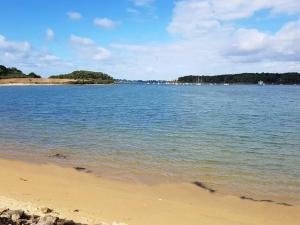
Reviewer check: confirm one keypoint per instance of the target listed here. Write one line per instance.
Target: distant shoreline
(59, 81)
(14, 76)
(46, 84)
(133, 83)
(246, 78)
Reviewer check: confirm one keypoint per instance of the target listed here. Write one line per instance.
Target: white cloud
(210, 43)
(74, 15)
(252, 45)
(207, 41)
(143, 10)
(10, 46)
(82, 41)
(195, 17)
(87, 49)
(49, 34)
(192, 17)
(104, 23)
(22, 55)
(250, 41)
(288, 39)
(143, 2)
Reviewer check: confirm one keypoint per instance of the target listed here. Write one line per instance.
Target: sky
(150, 39)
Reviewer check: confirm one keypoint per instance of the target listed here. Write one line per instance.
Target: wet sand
(86, 198)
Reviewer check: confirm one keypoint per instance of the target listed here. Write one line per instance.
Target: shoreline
(121, 172)
(62, 84)
(24, 84)
(34, 81)
(30, 186)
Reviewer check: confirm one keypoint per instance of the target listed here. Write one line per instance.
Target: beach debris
(2, 210)
(255, 200)
(6, 221)
(283, 203)
(203, 186)
(78, 168)
(15, 214)
(58, 156)
(47, 220)
(116, 223)
(19, 217)
(76, 210)
(264, 200)
(32, 219)
(46, 210)
(22, 179)
(66, 222)
(15, 217)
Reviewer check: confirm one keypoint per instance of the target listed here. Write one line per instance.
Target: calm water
(241, 139)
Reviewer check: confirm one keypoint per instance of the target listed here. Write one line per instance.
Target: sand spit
(34, 81)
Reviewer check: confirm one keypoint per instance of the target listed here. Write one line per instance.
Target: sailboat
(261, 82)
(198, 84)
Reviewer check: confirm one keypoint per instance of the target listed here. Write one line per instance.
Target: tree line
(12, 72)
(80, 76)
(244, 78)
(86, 77)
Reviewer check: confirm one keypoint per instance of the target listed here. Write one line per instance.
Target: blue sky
(150, 39)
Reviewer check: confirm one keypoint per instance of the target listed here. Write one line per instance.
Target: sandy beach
(33, 81)
(86, 198)
(148, 112)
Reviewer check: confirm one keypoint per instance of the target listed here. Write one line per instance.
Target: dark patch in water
(203, 186)
(267, 200)
(264, 200)
(78, 168)
(58, 156)
(283, 203)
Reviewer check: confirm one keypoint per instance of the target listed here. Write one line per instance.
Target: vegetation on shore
(12, 72)
(244, 78)
(91, 77)
(86, 77)
(79, 77)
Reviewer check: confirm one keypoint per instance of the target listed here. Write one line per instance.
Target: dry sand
(34, 81)
(29, 187)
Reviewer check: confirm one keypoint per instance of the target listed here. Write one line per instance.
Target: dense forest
(86, 77)
(244, 78)
(12, 72)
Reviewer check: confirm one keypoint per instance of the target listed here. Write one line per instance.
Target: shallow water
(237, 139)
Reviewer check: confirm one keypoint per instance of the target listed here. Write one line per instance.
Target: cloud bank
(206, 37)
(208, 41)
(23, 55)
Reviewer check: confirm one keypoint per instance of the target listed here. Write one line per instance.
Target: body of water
(242, 139)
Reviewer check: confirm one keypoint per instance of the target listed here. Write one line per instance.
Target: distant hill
(86, 77)
(12, 72)
(244, 78)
